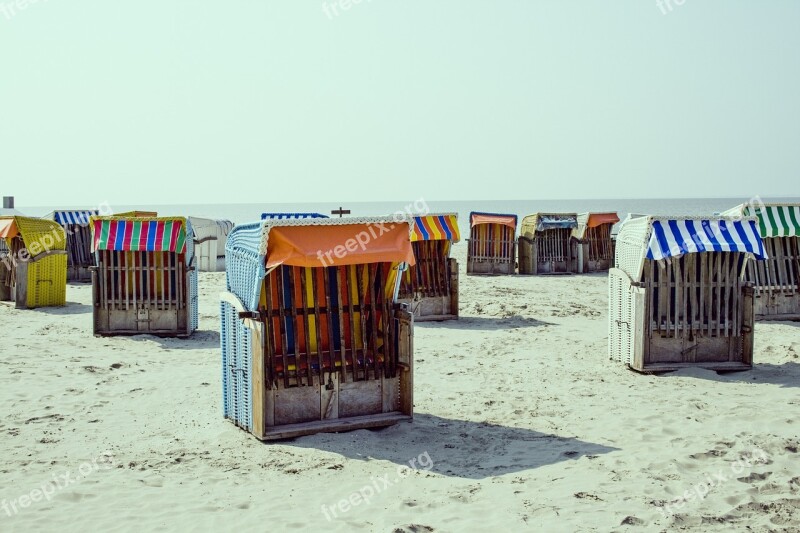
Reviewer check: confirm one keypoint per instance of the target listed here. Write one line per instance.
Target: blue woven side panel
(235, 344)
(193, 296)
(225, 333)
(244, 272)
(244, 266)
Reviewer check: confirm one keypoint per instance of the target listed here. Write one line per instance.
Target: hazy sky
(265, 100)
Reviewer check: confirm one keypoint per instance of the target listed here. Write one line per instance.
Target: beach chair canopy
(660, 238)
(547, 221)
(281, 216)
(137, 214)
(435, 227)
(592, 220)
(774, 220)
(144, 234)
(310, 242)
(206, 228)
(478, 219)
(66, 217)
(39, 235)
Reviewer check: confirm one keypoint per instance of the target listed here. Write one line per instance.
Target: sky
(191, 101)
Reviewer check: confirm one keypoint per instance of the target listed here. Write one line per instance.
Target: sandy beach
(521, 422)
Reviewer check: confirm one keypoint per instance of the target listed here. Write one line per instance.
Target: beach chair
(546, 245)
(145, 281)
(33, 266)
(777, 278)
(491, 248)
(677, 297)
(594, 242)
(79, 241)
(312, 337)
(209, 238)
(430, 287)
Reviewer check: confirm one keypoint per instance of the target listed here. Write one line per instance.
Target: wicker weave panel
(47, 282)
(235, 343)
(620, 324)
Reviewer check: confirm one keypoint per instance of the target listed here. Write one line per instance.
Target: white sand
(526, 422)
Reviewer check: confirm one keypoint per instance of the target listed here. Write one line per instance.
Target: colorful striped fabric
(675, 237)
(281, 216)
(776, 220)
(72, 217)
(154, 235)
(435, 228)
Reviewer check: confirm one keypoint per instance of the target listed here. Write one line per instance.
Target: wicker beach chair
(492, 243)
(430, 287)
(33, 269)
(546, 245)
(312, 337)
(79, 241)
(676, 295)
(777, 278)
(145, 280)
(593, 238)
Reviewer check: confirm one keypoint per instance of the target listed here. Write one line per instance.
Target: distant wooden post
(340, 212)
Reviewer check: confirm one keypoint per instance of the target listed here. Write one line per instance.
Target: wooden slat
(304, 319)
(269, 331)
(373, 320)
(278, 273)
(343, 344)
(351, 319)
(362, 318)
(329, 318)
(317, 324)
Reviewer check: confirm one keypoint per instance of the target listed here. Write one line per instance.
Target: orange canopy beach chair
(313, 339)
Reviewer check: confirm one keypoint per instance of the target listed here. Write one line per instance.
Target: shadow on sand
(485, 323)
(785, 375)
(458, 448)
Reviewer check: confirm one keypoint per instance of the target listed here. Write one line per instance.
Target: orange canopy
(338, 245)
(506, 220)
(597, 219)
(8, 228)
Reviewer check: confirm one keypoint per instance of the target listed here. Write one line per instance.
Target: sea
(250, 212)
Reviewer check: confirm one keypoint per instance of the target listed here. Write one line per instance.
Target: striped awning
(144, 235)
(435, 228)
(72, 217)
(777, 220)
(282, 216)
(675, 237)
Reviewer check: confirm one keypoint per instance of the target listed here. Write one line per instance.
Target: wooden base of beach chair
(329, 406)
(336, 426)
(142, 297)
(601, 265)
(79, 274)
(693, 312)
(436, 308)
(774, 303)
(777, 280)
(433, 308)
(672, 367)
(487, 267)
(551, 252)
